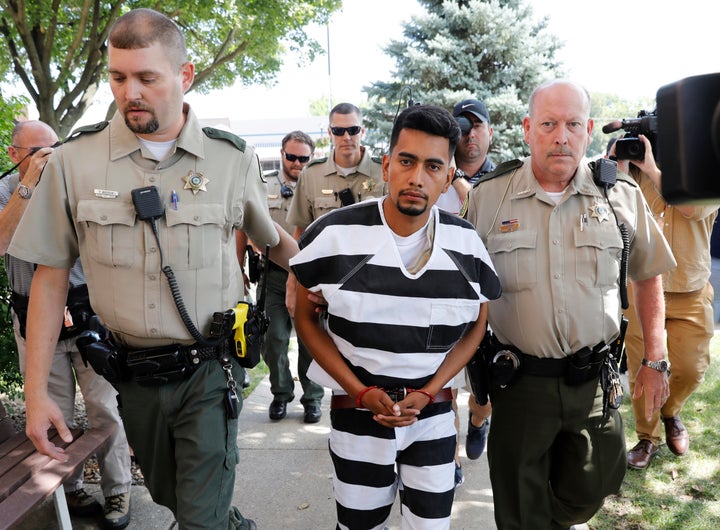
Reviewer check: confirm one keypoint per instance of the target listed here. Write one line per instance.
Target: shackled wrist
(358, 399)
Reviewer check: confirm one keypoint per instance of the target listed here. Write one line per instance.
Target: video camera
(630, 147)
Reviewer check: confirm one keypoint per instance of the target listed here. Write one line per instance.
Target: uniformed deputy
(297, 150)
(183, 432)
(555, 239)
(350, 174)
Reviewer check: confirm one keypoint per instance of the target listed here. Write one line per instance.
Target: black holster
(98, 350)
(478, 370)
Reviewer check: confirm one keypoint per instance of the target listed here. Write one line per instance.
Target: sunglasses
(340, 131)
(292, 158)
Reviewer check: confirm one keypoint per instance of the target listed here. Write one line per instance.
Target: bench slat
(24, 460)
(49, 476)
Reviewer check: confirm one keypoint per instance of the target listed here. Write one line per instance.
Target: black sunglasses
(340, 131)
(292, 158)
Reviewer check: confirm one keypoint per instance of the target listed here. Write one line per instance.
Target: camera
(630, 147)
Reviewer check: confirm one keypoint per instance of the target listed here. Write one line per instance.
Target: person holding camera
(151, 201)
(688, 321)
(67, 367)
(350, 174)
(555, 226)
(406, 286)
(297, 150)
(470, 157)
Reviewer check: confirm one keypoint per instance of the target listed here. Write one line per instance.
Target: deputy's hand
(655, 386)
(290, 293)
(41, 414)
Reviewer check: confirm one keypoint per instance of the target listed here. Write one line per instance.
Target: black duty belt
(170, 363)
(544, 367)
(343, 401)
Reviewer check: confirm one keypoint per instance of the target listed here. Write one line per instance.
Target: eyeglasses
(292, 158)
(340, 131)
(31, 149)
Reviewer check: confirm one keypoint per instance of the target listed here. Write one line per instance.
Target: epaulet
(501, 169)
(219, 134)
(627, 179)
(376, 159)
(315, 161)
(96, 127)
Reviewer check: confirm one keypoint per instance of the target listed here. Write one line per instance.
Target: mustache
(413, 191)
(562, 152)
(138, 105)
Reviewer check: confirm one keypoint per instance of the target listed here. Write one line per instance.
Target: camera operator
(688, 311)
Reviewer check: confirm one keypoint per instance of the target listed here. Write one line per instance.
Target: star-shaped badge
(195, 182)
(599, 212)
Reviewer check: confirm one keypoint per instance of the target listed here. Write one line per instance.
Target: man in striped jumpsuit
(405, 285)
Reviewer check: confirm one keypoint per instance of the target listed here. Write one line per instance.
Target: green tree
(57, 48)
(492, 50)
(10, 378)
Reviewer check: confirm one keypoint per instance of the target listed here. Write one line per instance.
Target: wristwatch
(661, 366)
(459, 173)
(24, 192)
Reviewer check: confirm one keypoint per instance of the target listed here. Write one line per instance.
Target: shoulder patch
(218, 134)
(315, 161)
(501, 169)
(96, 127)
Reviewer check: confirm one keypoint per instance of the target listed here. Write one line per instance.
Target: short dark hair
(345, 108)
(301, 137)
(141, 28)
(429, 119)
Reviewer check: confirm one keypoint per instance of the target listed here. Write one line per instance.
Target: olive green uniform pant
(553, 456)
(186, 445)
(275, 347)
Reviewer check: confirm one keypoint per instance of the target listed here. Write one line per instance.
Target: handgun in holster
(98, 350)
(478, 369)
(249, 324)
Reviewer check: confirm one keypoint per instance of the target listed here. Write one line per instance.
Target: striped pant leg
(426, 465)
(363, 453)
(364, 456)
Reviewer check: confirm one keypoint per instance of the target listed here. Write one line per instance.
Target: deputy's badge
(599, 212)
(195, 182)
(509, 225)
(368, 185)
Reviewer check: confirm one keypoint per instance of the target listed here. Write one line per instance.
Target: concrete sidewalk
(284, 478)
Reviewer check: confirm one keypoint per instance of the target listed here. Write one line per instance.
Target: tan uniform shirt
(278, 204)
(319, 185)
(689, 239)
(559, 264)
(84, 207)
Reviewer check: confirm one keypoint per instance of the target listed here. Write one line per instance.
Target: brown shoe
(639, 456)
(676, 435)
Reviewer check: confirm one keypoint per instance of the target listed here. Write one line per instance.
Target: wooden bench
(27, 478)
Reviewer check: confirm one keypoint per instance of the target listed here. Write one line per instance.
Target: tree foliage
(10, 378)
(57, 49)
(492, 50)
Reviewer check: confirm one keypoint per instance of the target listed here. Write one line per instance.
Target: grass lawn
(674, 492)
